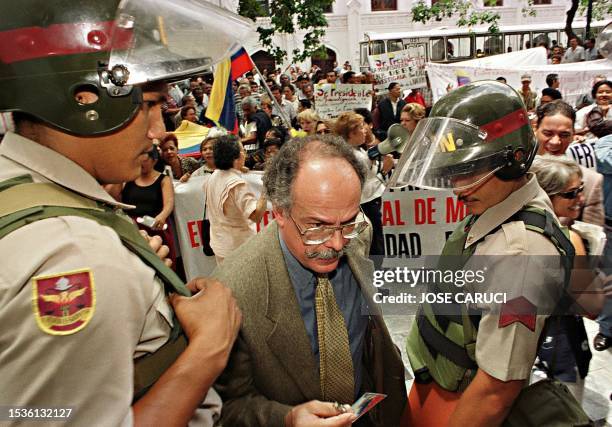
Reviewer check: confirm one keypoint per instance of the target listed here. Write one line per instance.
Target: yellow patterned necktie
(336, 364)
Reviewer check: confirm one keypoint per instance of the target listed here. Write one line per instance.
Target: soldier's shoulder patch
(63, 303)
(518, 310)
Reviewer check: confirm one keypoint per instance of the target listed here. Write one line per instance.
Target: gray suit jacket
(272, 367)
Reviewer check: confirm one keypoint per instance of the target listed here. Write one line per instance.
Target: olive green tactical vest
(442, 346)
(24, 202)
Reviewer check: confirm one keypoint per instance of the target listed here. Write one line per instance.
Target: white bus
(460, 44)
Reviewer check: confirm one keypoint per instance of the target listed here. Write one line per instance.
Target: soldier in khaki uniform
(86, 322)
(471, 360)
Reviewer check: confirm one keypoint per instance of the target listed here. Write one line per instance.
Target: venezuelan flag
(189, 136)
(221, 108)
(463, 78)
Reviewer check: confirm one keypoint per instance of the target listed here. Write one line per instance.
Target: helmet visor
(446, 153)
(162, 40)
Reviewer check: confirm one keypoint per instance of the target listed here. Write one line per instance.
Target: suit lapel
(363, 269)
(288, 339)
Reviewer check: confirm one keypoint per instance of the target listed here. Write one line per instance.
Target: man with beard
(313, 335)
(462, 354)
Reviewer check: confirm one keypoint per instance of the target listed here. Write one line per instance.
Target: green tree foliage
(600, 9)
(290, 17)
(251, 9)
(463, 10)
(467, 16)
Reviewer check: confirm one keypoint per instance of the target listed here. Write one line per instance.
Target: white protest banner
(583, 153)
(188, 213)
(333, 99)
(575, 78)
(401, 66)
(415, 222)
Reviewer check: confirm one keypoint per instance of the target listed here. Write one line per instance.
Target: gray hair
(249, 101)
(554, 172)
(245, 87)
(282, 170)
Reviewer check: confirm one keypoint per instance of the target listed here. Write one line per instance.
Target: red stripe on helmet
(505, 125)
(23, 44)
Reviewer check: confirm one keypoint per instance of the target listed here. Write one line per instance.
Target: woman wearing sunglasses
(554, 132)
(566, 344)
(561, 178)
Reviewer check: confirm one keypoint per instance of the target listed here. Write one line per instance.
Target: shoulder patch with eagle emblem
(63, 303)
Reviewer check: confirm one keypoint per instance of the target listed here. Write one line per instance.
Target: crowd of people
(286, 331)
(575, 192)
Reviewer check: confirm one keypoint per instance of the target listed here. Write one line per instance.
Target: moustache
(326, 254)
(465, 199)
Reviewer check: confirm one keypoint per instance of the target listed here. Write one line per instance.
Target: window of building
(540, 2)
(380, 5)
(328, 9)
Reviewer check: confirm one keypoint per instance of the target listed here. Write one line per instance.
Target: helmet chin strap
(480, 181)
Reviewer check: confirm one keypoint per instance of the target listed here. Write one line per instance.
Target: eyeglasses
(319, 235)
(572, 194)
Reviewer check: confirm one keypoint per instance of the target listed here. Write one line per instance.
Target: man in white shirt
(285, 105)
(575, 53)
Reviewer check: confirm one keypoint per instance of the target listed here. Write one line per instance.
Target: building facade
(350, 20)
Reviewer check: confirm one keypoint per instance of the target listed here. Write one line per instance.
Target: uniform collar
(530, 193)
(54, 167)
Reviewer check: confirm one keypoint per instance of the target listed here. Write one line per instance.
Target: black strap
(547, 223)
(437, 341)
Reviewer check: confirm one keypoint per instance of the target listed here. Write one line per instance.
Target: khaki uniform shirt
(91, 369)
(518, 262)
(529, 98)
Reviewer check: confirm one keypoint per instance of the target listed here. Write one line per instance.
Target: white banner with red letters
(415, 222)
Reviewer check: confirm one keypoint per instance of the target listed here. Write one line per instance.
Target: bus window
(544, 37)
(459, 47)
(363, 55)
(416, 50)
(377, 47)
(437, 49)
(515, 41)
(394, 45)
(488, 45)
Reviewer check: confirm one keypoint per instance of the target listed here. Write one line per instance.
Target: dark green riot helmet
(473, 132)
(51, 50)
